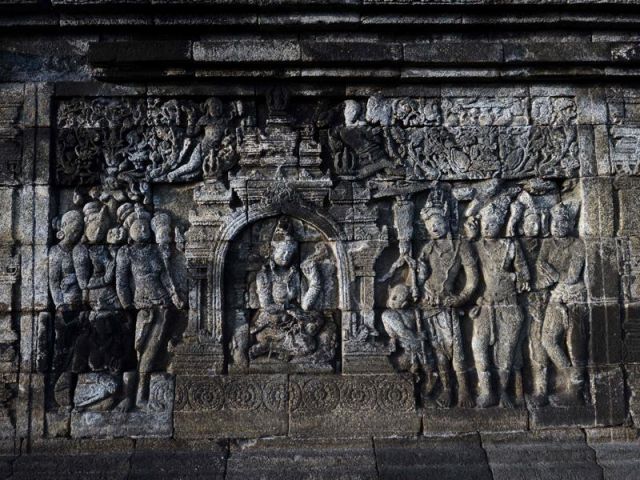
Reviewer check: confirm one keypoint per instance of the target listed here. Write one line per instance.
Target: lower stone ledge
(550, 454)
(319, 406)
(352, 406)
(231, 406)
(461, 420)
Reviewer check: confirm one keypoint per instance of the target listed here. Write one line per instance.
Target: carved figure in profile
(287, 323)
(144, 282)
(402, 324)
(441, 264)
(498, 320)
(564, 330)
(70, 352)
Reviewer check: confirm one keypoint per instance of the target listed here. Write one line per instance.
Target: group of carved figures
(111, 283)
(519, 294)
(470, 138)
(136, 142)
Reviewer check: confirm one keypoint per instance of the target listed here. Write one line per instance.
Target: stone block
(632, 381)
(452, 52)
(235, 406)
(586, 146)
(556, 417)
(442, 457)
(605, 326)
(352, 405)
(628, 205)
(548, 454)
(455, 420)
(601, 149)
(601, 275)
(156, 420)
(168, 459)
(350, 51)
(608, 395)
(247, 50)
(597, 213)
(631, 332)
(64, 458)
(592, 106)
(290, 459)
(6, 219)
(550, 52)
(617, 451)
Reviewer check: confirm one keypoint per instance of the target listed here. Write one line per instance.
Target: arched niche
(332, 236)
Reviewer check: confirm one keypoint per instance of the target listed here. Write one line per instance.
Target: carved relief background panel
(332, 265)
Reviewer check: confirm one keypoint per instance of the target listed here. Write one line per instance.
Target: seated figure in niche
(286, 324)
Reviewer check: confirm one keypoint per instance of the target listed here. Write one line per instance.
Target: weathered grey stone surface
(319, 239)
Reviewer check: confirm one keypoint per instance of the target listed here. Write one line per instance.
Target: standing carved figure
(497, 318)
(564, 330)
(286, 324)
(152, 293)
(535, 302)
(95, 265)
(441, 264)
(69, 353)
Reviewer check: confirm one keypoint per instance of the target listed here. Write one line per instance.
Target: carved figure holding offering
(402, 325)
(498, 320)
(152, 293)
(441, 263)
(286, 324)
(564, 330)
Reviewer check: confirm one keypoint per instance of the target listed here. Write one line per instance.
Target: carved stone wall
(343, 256)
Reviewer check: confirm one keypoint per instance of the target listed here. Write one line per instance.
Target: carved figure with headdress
(498, 320)
(144, 282)
(287, 323)
(443, 264)
(564, 329)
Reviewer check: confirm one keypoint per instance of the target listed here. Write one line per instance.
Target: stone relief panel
(113, 280)
(454, 138)
(227, 251)
(479, 294)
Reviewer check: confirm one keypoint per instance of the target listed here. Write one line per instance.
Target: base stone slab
(352, 406)
(460, 420)
(444, 458)
(155, 419)
(236, 406)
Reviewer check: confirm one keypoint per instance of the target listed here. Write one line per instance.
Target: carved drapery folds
(216, 245)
